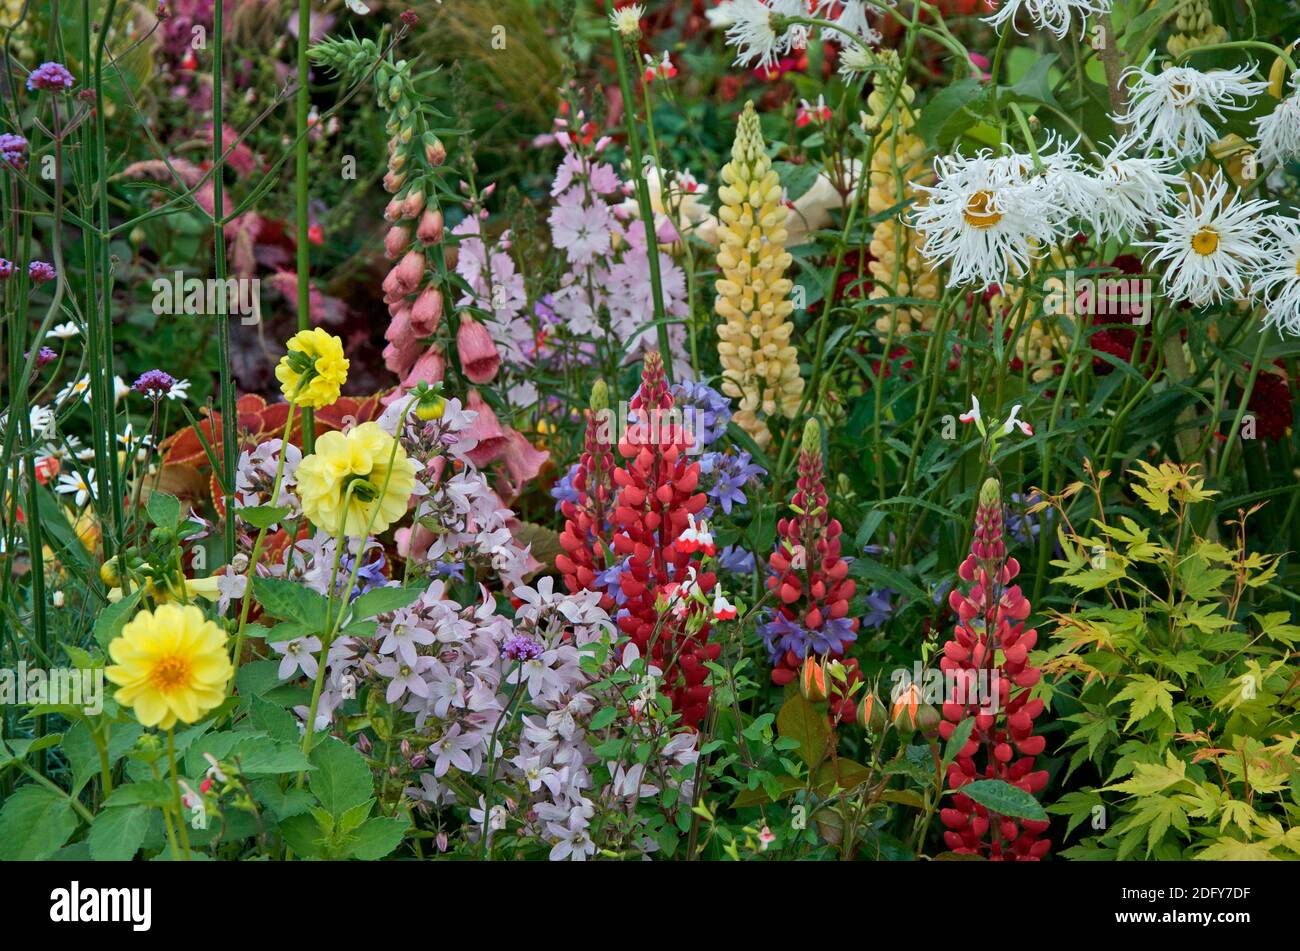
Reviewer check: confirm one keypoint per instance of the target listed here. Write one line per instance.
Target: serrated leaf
(291, 601)
(35, 822)
(342, 778)
(113, 618)
(118, 834)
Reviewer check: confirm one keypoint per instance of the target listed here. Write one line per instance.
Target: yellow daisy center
(1205, 241)
(978, 213)
(1297, 266)
(170, 673)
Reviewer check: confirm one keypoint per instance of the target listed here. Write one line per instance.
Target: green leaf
(948, 113)
(153, 793)
(263, 516)
(283, 803)
(1147, 693)
(958, 739)
(603, 718)
(797, 179)
(377, 837)
(261, 755)
(291, 601)
(801, 720)
(113, 618)
(342, 778)
(34, 823)
(382, 600)
(275, 721)
(164, 510)
(1004, 799)
(118, 834)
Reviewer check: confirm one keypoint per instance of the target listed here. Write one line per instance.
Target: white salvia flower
(1279, 131)
(1210, 245)
(986, 218)
(1165, 109)
(627, 21)
(1051, 15)
(753, 33)
(1134, 190)
(1277, 283)
(357, 7)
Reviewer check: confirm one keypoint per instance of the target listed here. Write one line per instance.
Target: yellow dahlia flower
(356, 460)
(311, 373)
(171, 664)
(897, 163)
(760, 368)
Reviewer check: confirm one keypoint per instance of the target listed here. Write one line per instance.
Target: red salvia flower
(1002, 744)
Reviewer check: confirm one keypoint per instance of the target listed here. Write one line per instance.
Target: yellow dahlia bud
(897, 164)
(760, 367)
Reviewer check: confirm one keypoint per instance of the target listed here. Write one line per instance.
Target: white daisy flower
(1277, 283)
(986, 218)
(1210, 245)
(73, 391)
(76, 485)
(1133, 191)
(1052, 15)
(130, 442)
(627, 20)
(42, 421)
(120, 389)
(63, 331)
(1279, 131)
(1165, 107)
(180, 390)
(750, 28)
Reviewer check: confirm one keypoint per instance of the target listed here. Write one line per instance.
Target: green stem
(642, 196)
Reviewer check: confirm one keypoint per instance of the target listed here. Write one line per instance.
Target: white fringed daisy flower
(1069, 179)
(1165, 107)
(1279, 131)
(987, 218)
(627, 20)
(1277, 283)
(1054, 16)
(1211, 245)
(750, 28)
(1133, 191)
(852, 17)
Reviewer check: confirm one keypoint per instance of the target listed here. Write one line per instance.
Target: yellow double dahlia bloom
(760, 367)
(897, 163)
(367, 463)
(313, 370)
(171, 664)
